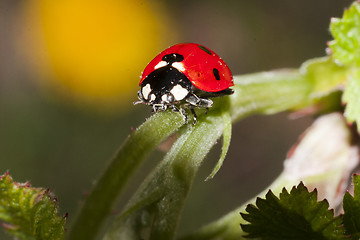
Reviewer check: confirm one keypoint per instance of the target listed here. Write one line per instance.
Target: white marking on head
(179, 92)
(146, 91)
(160, 64)
(165, 98)
(179, 66)
(152, 97)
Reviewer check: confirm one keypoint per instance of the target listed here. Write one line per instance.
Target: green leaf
(29, 213)
(111, 183)
(345, 47)
(351, 207)
(225, 146)
(351, 97)
(327, 79)
(295, 215)
(154, 211)
(325, 76)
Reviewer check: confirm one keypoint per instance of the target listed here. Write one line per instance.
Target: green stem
(269, 92)
(112, 181)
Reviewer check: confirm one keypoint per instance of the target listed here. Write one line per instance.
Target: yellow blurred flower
(96, 50)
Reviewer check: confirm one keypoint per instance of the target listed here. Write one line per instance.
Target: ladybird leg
(159, 107)
(205, 103)
(194, 114)
(192, 99)
(174, 108)
(207, 110)
(163, 107)
(202, 103)
(183, 113)
(199, 102)
(141, 98)
(154, 109)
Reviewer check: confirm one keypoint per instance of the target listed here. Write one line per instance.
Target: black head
(165, 85)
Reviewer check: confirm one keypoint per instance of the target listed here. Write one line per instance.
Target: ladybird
(185, 75)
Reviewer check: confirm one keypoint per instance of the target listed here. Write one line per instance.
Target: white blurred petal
(324, 158)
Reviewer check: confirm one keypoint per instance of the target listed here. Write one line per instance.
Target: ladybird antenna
(137, 102)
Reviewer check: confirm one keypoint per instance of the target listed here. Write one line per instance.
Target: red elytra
(203, 67)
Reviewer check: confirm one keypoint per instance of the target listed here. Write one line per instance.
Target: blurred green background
(69, 72)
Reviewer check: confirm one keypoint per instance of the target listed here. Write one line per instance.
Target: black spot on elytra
(205, 49)
(173, 57)
(216, 74)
